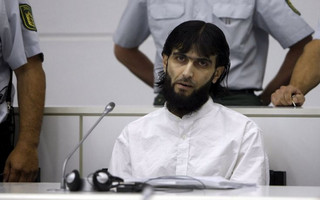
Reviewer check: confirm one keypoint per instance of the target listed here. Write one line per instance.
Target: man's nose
(188, 70)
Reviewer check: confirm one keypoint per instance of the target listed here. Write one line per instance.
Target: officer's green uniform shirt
(18, 41)
(246, 24)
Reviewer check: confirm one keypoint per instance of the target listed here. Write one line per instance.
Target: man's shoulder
(231, 113)
(154, 115)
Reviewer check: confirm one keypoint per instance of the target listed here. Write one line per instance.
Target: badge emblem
(27, 17)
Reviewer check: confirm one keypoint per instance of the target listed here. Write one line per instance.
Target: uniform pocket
(240, 9)
(236, 17)
(166, 10)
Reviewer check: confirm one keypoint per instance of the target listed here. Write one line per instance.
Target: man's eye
(203, 63)
(181, 58)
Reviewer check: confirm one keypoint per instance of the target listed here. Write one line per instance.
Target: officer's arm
(22, 163)
(137, 62)
(284, 74)
(306, 74)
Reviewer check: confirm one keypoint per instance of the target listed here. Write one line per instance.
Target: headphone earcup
(101, 180)
(73, 180)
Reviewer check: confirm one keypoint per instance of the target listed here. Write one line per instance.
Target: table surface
(51, 191)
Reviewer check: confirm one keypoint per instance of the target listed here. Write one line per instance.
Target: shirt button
(183, 137)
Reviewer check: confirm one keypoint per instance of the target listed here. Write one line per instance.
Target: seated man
(191, 135)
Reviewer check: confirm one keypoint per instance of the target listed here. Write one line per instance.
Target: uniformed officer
(246, 24)
(20, 53)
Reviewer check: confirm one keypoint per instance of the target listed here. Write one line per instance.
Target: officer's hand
(287, 96)
(21, 165)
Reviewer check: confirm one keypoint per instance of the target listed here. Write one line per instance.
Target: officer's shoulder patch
(27, 17)
(292, 7)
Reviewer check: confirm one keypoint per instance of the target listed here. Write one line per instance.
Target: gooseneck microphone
(107, 109)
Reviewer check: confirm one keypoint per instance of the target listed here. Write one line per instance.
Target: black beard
(181, 104)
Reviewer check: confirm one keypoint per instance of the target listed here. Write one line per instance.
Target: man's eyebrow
(198, 58)
(178, 53)
(205, 59)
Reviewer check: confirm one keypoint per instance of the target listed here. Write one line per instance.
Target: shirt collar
(203, 110)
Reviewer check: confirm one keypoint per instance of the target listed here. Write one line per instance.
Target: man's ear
(219, 71)
(165, 62)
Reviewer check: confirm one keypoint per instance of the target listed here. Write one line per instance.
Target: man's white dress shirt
(214, 141)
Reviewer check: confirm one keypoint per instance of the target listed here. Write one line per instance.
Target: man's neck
(178, 112)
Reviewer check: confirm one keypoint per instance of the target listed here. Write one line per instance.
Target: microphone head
(110, 107)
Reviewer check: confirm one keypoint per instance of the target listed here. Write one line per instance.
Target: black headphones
(73, 181)
(102, 180)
